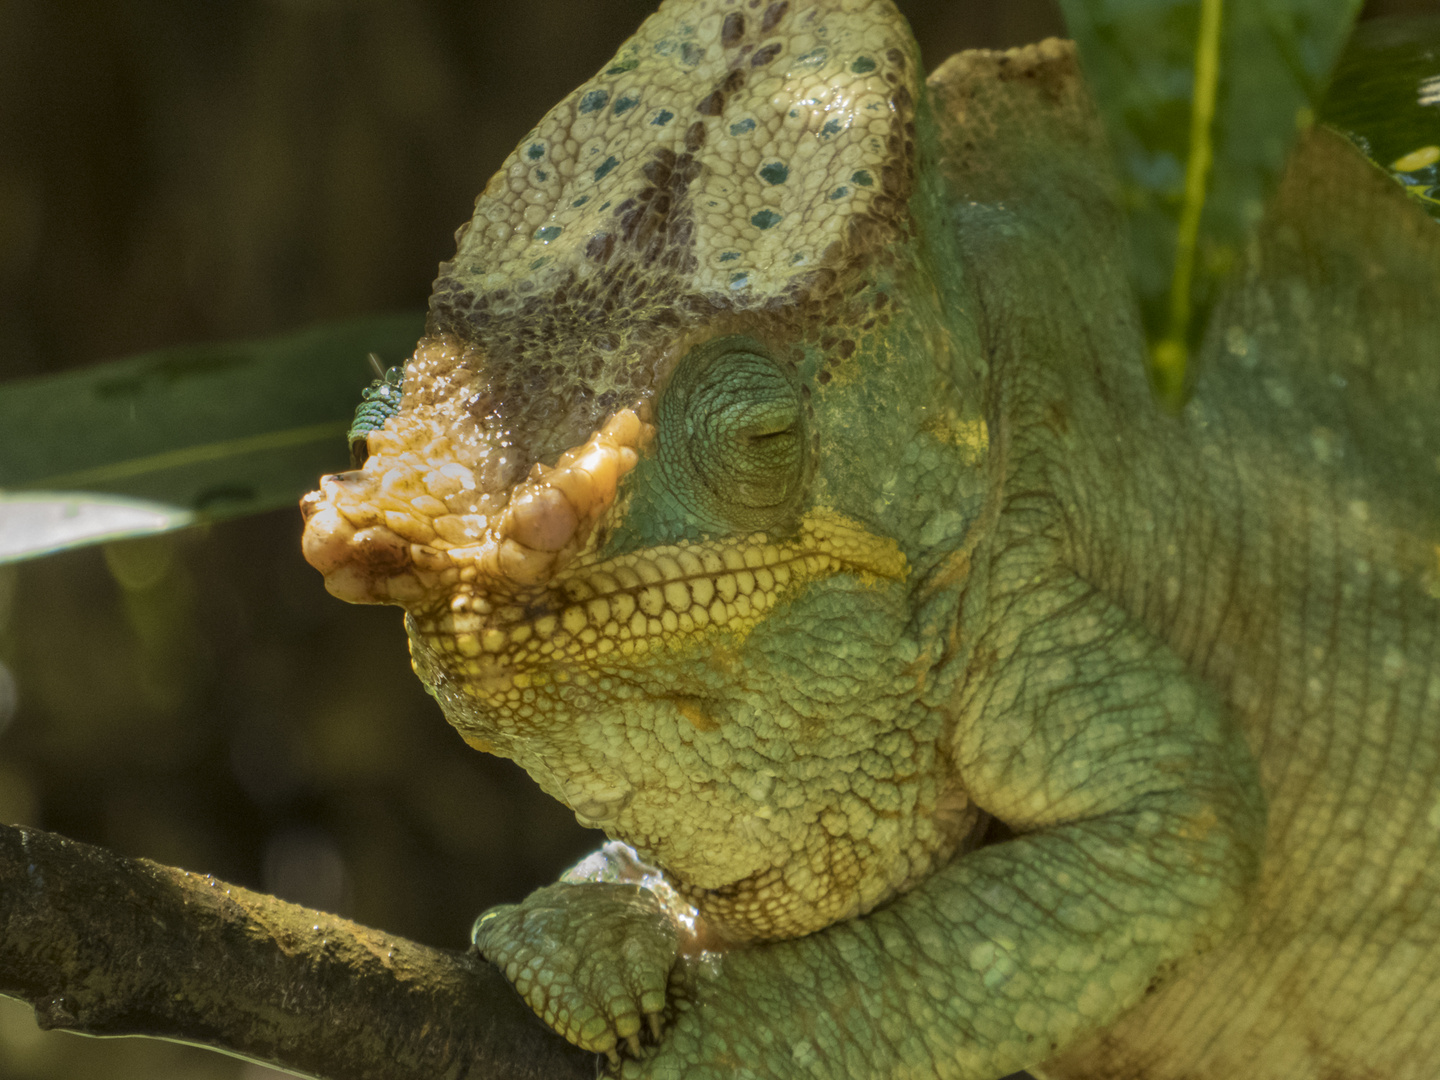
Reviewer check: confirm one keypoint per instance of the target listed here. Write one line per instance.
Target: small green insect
(378, 402)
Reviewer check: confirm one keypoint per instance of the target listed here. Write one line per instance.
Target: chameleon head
(604, 502)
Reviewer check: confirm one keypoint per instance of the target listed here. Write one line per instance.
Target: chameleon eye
(731, 439)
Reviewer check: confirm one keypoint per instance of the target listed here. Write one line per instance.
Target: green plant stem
(1171, 352)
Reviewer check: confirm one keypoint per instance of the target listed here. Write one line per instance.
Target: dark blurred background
(177, 172)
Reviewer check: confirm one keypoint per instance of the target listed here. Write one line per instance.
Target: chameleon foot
(592, 959)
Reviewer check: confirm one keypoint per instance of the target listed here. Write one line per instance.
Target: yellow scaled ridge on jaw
(611, 612)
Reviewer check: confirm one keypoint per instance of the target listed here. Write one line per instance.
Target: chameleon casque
(779, 482)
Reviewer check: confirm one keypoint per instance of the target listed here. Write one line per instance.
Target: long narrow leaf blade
(193, 433)
(46, 522)
(1202, 99)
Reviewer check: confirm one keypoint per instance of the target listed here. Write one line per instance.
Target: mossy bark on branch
(101, 944)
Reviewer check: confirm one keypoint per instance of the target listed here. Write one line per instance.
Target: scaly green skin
(962, 563)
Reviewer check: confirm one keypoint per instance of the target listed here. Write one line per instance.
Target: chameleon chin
(778, 481)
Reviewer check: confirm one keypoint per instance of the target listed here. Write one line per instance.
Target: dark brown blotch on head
(713, 104)
(658, 169)
(773, 14)
(695, 136)
(600, 247)
(732, 30)
(765, 55)
(657, 223)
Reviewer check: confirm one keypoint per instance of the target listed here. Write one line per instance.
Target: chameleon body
(778, 482)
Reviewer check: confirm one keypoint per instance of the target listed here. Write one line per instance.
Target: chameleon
(779, 482)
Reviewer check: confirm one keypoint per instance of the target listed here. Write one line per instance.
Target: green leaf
(183, 435)
(1386, 97)
(1202, 99)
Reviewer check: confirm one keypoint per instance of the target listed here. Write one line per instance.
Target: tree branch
(104, 945)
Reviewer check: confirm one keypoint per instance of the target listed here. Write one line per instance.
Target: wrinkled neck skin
(759, 709)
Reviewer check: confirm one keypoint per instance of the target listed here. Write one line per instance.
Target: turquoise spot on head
(862, 177)
(625, 104)
(535, 151)
(541, 175)
(776, 172)
(840, 192)
(765, 219)
(663, 117)
(581, 201)
(691, 54)
(814, 57)
(832, 127)
(548, 232)
(622, 67)
(862, 65)
(729, 256)
(594, 101)
(604, 169)
(739, 279)
(744, 127)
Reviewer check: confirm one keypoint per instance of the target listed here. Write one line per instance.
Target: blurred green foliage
(199, 432)
(1202, 99)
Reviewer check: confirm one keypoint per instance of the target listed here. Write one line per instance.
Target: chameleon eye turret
(734, 441)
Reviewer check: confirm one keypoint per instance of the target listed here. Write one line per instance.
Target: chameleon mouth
(414, 521)
(507, 654)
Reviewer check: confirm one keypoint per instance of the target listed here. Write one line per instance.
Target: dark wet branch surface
(104, 945)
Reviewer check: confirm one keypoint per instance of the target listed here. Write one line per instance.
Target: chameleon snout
(414, 525)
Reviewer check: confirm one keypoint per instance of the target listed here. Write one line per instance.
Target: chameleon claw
(633, 1043)
(614, 1058)
(654, 1019)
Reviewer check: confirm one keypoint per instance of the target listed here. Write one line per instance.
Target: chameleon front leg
(1140, 820)
(593, 955)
